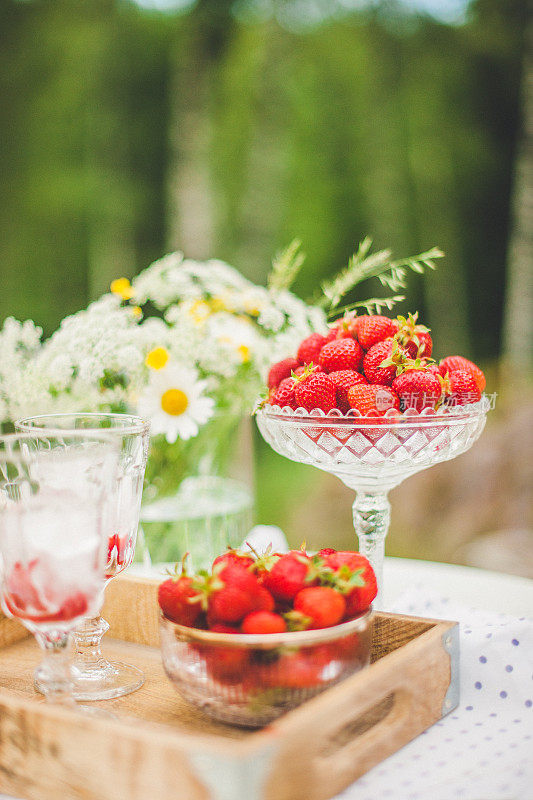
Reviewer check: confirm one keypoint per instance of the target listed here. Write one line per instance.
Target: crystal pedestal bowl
(372, 454)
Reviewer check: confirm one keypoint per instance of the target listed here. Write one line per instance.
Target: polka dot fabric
(483, 749)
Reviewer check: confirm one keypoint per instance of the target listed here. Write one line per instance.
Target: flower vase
(198, 499)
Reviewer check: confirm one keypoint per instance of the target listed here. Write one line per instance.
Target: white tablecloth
(482, 750)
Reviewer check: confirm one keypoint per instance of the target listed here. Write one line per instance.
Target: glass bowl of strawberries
(260, 634)
(369, 404)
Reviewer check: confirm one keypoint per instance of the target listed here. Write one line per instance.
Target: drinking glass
(53, 540)
(96, 678)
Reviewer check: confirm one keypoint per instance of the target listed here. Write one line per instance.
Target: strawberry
(315, 391)
(310, 348)
(179, 600)
(341, 354)
(234, 556)
(227, 664)
(295, 670)
(343, 380)
(453, 363)
(374, 328)
(264, 600)
(374, 368)
(343, 328)
(281, 370)
(291, 573)
(307, 368)
(232, 592)
(284, 394)
(414, 338)
(462, 388)
(354, 577)
(326, 551)
(349, 647)
(262, 565)
(263, 622)
(372, 399)
(418, 388)
(319, 606)
(220, 627)
(431, 367)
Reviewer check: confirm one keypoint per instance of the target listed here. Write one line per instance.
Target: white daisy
(174, 402)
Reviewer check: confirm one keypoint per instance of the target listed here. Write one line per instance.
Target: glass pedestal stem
(88, 639)
(371, 518)
(53, 676)
(96, 678)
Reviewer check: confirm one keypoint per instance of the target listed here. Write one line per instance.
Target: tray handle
(362, 735)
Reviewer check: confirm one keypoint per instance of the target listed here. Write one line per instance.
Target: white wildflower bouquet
(186, 344)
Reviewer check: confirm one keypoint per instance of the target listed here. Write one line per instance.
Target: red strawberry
(387, 351)
(341, 354)
(281, 370)
(264, 600)
(372, 399)
(414, 338)
(310, 348)
(234, 556)
(374, 328)
(263, 622)
(231, 594)
(322, 605)
(179, 600)
(418, 388)
(350, 569)
(326, 551)
(453, 363)
(343, 380)
(432, 367)
(315, 391)
(284, 394)
(343, 328)
(227, 664)
(307, 368)
(219, 627)
(295, 670)
(462, 388)
(290, 574)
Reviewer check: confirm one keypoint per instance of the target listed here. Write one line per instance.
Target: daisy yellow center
(199, 311)
(174, 402)
(156, 358)
(244, 352)
(217, 304)
(123, 288)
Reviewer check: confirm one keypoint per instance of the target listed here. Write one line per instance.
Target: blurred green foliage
(380, 123)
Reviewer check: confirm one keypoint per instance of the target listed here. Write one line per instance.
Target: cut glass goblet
(96, 678)
(53, 539)
(372, 454)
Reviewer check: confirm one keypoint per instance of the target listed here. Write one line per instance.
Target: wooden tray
(159, 747)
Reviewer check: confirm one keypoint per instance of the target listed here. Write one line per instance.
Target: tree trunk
(190, 193)
(189, 190)
(518, 317)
